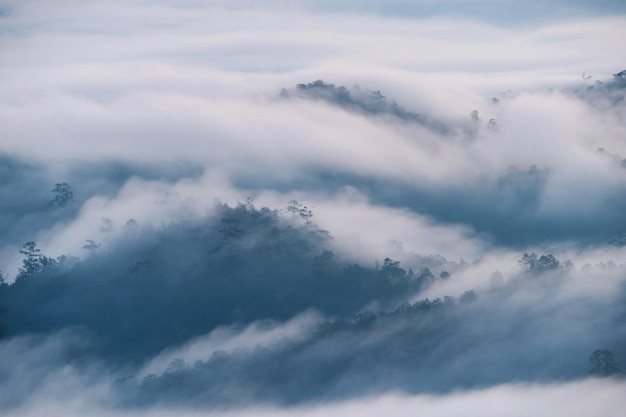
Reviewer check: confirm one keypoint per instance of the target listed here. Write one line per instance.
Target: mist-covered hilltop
(246, 305)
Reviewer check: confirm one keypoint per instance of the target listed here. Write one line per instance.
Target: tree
(532, 263)
(91, 246)
(468, 297)
(295, 208)
(603, 363)
(619, 241)
(528, 262)
(34, 262)
(548, 262)
(324, 260)
(63, 195)
(231, 233)
(392, 270)
(130, 223)
(107, 225)
(175, 366)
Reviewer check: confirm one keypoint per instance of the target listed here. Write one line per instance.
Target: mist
(302, 208)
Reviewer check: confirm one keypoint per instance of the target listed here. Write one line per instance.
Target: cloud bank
(305, 208)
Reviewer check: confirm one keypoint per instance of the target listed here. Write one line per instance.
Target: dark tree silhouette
(63, 195)
(296, 208)
(532, 263)
(603, 363)
(107, 225)
(34, 262)
(91, 246)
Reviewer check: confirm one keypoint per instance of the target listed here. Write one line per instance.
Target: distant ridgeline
(488, 203)
(155, 289)
(188, 277)
(364, 101)
(602, 93)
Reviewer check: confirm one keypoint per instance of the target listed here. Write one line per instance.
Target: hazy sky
(470, 131)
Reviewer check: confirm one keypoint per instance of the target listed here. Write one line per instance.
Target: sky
(245, 174)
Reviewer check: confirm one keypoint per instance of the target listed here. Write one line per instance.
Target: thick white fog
(305, 208)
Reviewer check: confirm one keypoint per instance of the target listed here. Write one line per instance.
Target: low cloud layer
(307, 208)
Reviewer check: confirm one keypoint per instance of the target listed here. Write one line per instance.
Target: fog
(303, 208)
